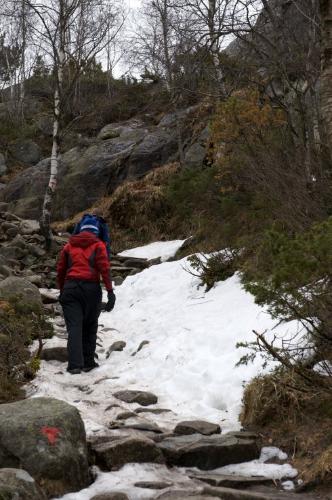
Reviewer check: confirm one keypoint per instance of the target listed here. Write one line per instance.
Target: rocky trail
(141, 438)
(142, 452)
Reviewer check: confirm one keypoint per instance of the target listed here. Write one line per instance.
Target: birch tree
(326, 68)
(72, 33)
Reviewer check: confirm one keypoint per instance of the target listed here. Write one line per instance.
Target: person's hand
(111, 301)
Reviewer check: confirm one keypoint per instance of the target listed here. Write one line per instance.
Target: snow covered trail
(189, 360)
(188, 357)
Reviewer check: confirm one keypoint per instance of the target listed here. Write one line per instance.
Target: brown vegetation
(288, 414)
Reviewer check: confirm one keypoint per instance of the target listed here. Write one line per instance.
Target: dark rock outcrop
(91, 170)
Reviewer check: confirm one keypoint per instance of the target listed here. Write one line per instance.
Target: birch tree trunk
(214, 48)
(326, 69)
(23, 61)
(45, 221)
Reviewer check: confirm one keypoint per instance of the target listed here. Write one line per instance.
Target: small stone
(197, 426)
(153, 485)
(117, 346)
(118, 280)
(116, 495)
(140, 347)
(141, 397)
(124, 415)
(155, 411)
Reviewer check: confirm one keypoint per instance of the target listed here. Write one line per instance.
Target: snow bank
(190, 359)
(261, 468)
(163, 249)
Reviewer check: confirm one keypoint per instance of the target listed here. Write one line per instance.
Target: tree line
(201, 49)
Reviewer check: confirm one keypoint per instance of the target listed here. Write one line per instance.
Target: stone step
(230, 481)
(208, 452)
(122, 450)
(233, 494)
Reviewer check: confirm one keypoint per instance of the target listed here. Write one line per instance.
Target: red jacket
(84, 257)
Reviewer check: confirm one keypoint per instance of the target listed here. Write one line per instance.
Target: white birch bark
(326, 66)
(45, 221)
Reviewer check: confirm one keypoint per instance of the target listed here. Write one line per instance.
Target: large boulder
(26, 151)
(46, 437)
(14, 286)
(17, 484)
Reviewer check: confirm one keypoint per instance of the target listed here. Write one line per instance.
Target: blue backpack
(96, 225)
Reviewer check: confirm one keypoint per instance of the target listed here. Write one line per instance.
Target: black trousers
(81, 304)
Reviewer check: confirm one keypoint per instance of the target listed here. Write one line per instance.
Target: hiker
(82, 260)
(95, 220)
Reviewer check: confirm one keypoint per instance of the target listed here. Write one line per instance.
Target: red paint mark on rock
(51, 433)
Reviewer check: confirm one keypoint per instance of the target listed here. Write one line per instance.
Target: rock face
(17, 484)
(46, 437)
(13, 287)
(210, 452)
(122, 151)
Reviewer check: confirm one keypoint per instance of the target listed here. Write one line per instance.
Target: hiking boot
(74, 371)
(90, 367)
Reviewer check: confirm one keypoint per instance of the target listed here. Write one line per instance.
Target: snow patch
(163, 249)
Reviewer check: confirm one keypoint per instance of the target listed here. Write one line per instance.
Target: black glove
(111, 301)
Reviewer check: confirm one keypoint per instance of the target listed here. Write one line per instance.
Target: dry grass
(296, 418)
